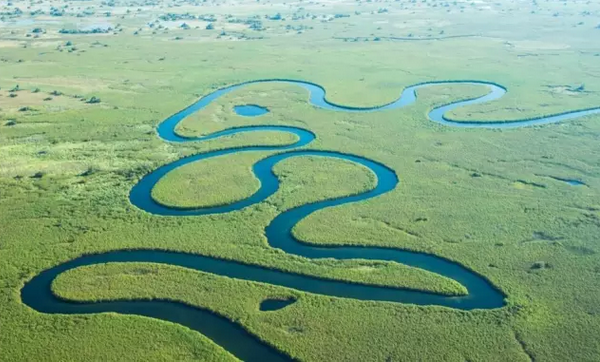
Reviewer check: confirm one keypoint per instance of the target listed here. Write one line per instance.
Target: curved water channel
(233, 337)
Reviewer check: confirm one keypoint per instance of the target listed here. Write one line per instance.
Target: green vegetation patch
(304, 179)
(487, 199)
(298, 328)
(204, 184)
(321, 178)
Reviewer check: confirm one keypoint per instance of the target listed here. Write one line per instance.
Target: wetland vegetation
(84, 85)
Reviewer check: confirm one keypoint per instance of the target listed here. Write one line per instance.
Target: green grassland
(298, 329)
(487, 199)
(201, 185)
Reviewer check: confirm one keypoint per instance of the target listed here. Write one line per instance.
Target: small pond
(250, 110)
(275, 304)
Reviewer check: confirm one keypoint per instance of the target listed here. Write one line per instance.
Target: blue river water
(250, 110)
(230, 335)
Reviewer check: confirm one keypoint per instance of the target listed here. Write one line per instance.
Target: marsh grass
(465, 195)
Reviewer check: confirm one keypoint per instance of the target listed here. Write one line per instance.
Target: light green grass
(201, 184)
(299, 329)
(466, 195)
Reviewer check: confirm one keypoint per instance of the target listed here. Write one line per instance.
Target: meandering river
(233, 337)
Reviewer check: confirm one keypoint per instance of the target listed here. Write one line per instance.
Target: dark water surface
(230, 335)
(268, 305)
